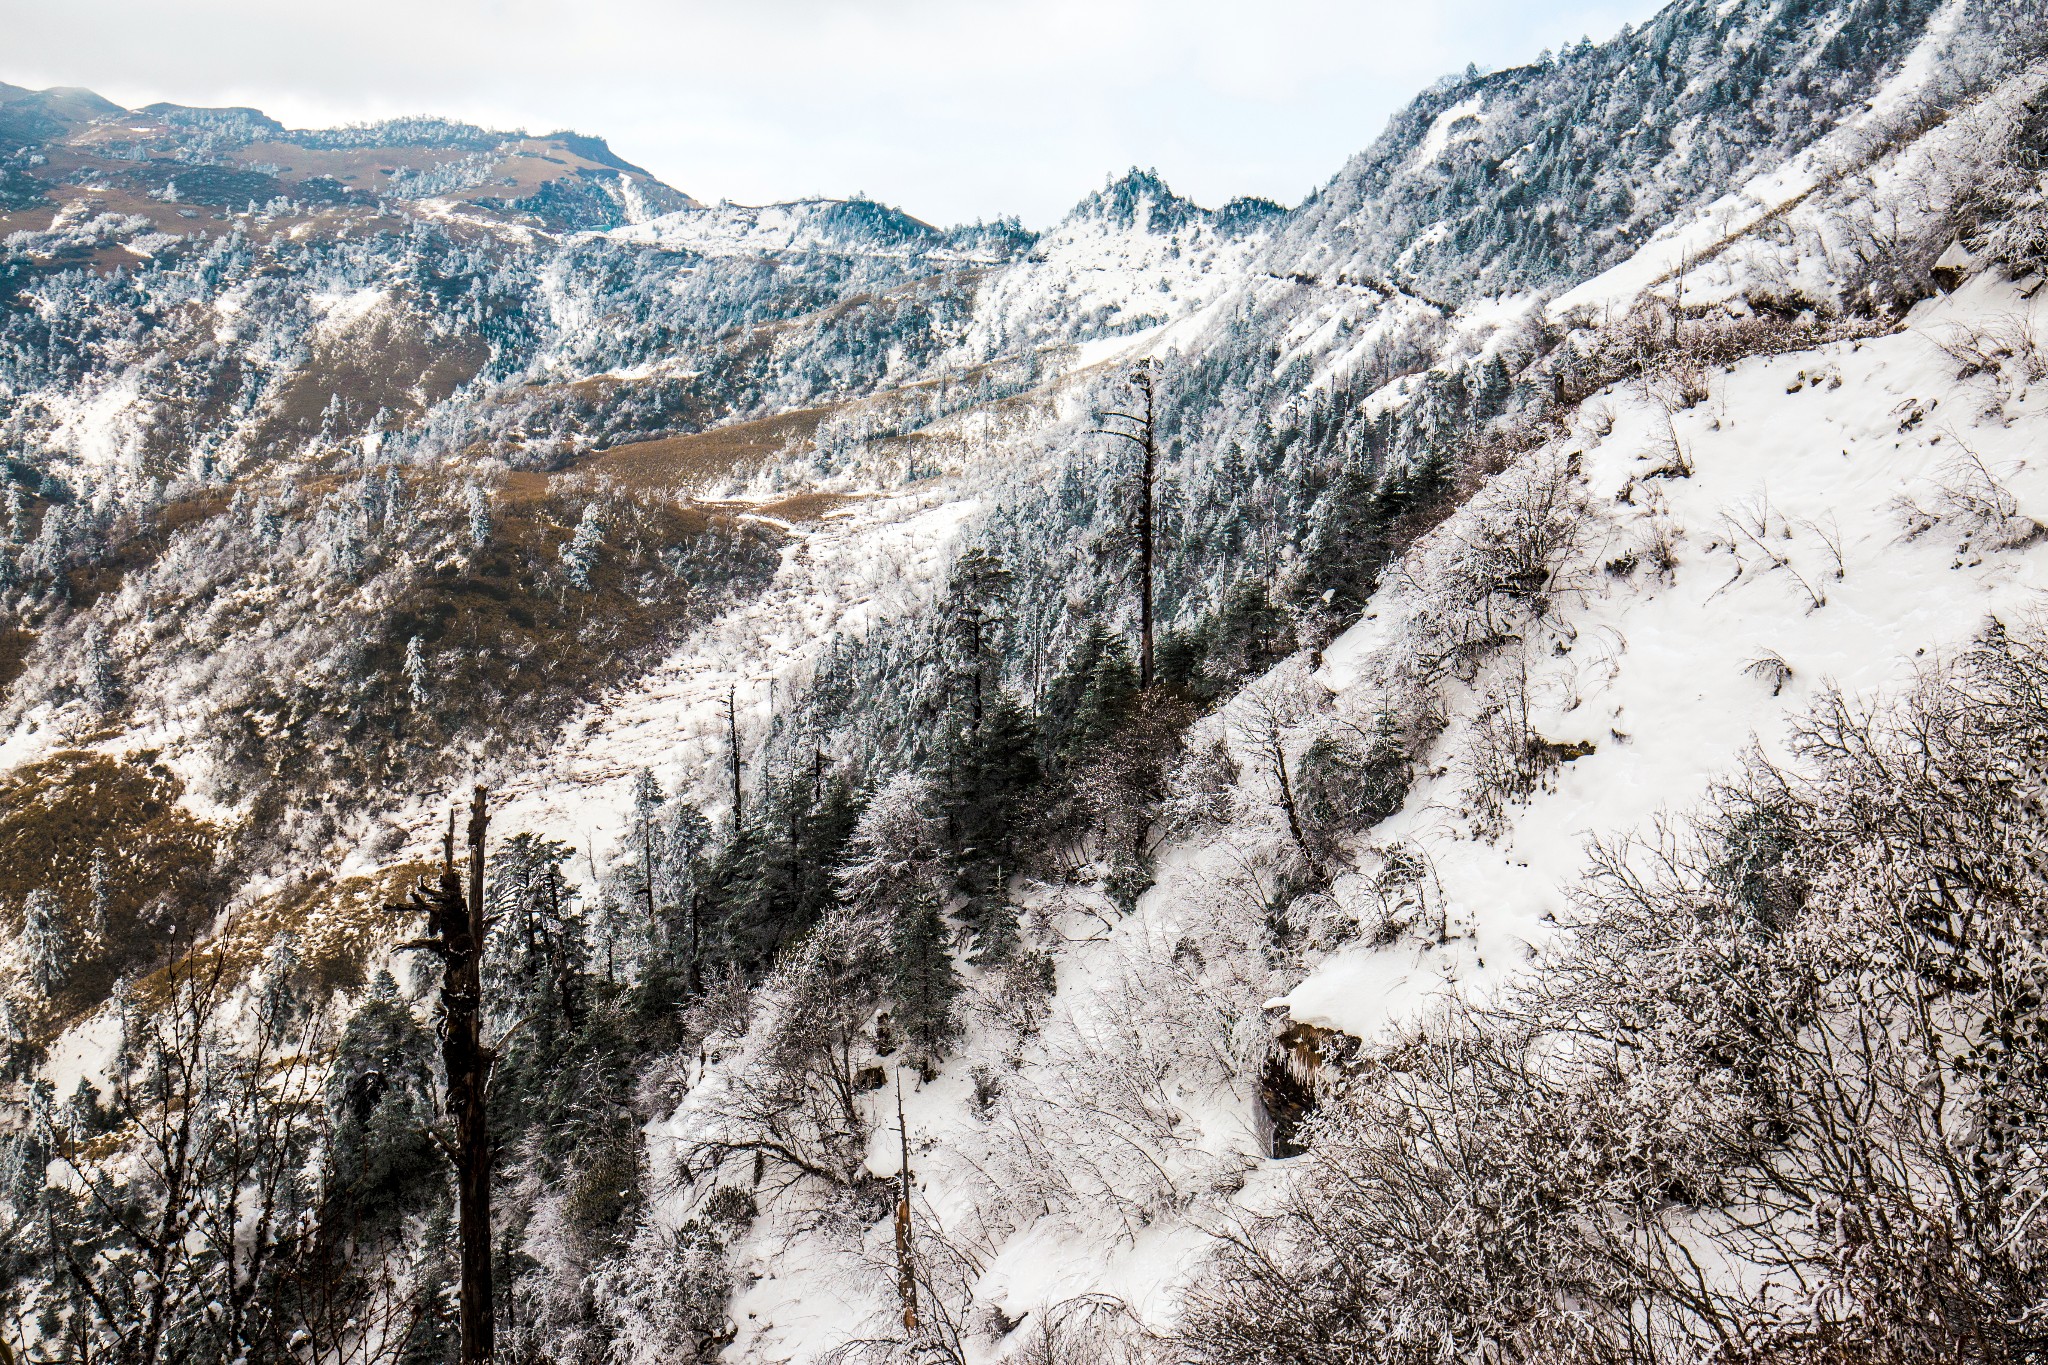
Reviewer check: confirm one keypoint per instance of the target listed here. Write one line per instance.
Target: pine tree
(992, 776)
(1111, 695)
(923, 981)
(46, 945)
(477, 507)
(681, 893)
(1495, 384)
(267, 525)
(100, 882)
(1060, 715)
(579, 552)
(976, 603)
(416, 673)
(97, 680)
(538, 947)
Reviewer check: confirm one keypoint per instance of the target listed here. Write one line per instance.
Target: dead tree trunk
(732, 739)
(1145, 540)
(906, 1269)
(1142, 434)
(456, 928)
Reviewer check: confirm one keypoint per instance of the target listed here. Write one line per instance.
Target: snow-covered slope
(1829, 534)
(851, 226)
(1730, 546)
(1823, 539)
(1425, 204)
(1131, 256)
(1591, 502)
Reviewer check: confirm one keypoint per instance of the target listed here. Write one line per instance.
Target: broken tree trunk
(906, 1270)
(1142, 434)
(456, 928)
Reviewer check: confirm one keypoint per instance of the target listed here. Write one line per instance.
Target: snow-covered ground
(1094, 276)
(1793, 537)
(1802, 463)
(843, 575)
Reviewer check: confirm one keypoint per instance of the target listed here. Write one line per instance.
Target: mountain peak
(1137, 199)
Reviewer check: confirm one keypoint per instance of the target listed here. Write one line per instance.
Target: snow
(342, 312)
(846, 574)
(456, 212)
(104, 430)
(806, 1291)
(1920, 64)
(83, 1052)
(1664, 665)
(1444, 129)
(1104, 282)
(1103, 350)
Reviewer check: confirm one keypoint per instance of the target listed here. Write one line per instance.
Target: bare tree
(175, 1239)
(1263, 723)
(1140, 431)
(457, 928)
(732, 743)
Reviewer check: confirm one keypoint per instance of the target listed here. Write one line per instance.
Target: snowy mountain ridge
(1551, 472)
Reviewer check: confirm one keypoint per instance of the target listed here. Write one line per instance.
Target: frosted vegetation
(1561, 884)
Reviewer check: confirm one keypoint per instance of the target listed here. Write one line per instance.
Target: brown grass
(685, 462)
(799, 507)
(136, 547)
(339, 924)
(357, 167)
(511, 647)
(14, 647)
(58, 813)
(390, 364)
(533, 163)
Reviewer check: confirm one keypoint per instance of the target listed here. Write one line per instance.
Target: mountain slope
(770, 568)
(1492, 184)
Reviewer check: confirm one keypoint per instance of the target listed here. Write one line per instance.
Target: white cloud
(951, 108)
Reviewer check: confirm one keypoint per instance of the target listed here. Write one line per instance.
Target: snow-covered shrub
(1199, 787)
(1130, 1107)
(1263, 721)
(2008, 347)
(1089, 1331)
(1498, 564)
(2011, 203)
(1467, 605)
(1502, 758)
(1775, 1092)
(1971, 500)
(1351, 777)
(664, 1299)
(790, 1097)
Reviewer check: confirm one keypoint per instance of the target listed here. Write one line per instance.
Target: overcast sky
(951, 109)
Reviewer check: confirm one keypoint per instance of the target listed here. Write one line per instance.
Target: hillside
(1556, 882)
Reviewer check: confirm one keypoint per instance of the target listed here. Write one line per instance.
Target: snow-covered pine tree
(97, 680)
(579, 552)
(47, 945)
(477, 511)
(416, 674)
(101, 886)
